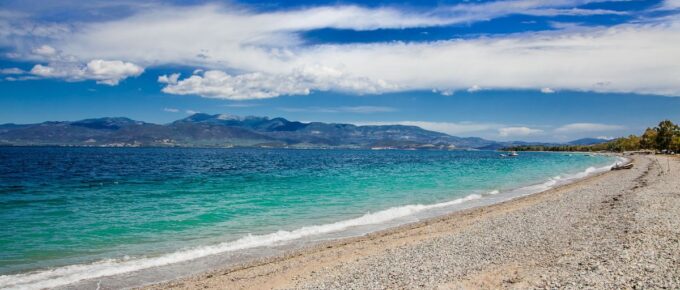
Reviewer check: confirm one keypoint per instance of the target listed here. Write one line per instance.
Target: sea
(122, 217)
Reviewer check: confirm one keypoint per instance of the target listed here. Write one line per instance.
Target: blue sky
(503, 70)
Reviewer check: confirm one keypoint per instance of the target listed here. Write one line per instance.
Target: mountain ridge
(225, 131)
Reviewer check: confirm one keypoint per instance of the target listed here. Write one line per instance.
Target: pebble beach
(619, 229)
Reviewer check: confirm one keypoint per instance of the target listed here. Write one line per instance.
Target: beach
(619, 229)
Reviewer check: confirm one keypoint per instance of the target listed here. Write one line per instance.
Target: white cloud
(12, 71)
(191, 112)
(264, 53)
(111, 72)
(547, 91)
(21, 78)
(180, 32)
(518, 131)
(605, 137)
(670, 4)
(171, 110)
(45, 50)
(474, 88)
(218, 84)
(572, 12)
(443, 92)
(587, 127)
(171, 79)
(494, 9)
(102, 71)
(600, 60)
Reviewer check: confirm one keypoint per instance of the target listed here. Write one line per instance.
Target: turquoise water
(67, 206)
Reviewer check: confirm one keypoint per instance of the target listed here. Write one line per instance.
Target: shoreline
(362, 226)
(412, 230)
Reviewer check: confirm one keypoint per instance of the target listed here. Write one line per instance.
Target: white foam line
(70, 274)
(74, 273)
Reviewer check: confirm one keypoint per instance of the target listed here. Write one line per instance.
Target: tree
(632, 143)
(675, 144)
(665, 133)
(648, 139)
(666, 136)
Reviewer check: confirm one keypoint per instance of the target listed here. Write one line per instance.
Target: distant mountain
(588, 141)
(221, 130)
(507, 144)
(106, 123)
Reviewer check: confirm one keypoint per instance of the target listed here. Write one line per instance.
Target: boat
(513, 154)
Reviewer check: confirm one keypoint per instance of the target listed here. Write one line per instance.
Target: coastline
(300, 267)
(143, 270)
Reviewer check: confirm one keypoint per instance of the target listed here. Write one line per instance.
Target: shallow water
(108, 211)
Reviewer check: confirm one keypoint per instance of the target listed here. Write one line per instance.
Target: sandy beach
(619, 229)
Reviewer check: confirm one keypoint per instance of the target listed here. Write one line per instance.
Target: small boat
(622, 166)
(503, 155)
(513, 154)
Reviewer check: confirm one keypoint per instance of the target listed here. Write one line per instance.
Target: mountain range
(222, 130)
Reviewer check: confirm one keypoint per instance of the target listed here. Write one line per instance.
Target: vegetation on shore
(663, 138)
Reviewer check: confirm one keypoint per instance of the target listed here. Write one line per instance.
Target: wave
(74, 273)
(70, 274)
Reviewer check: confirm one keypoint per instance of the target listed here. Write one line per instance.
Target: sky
(503, 70)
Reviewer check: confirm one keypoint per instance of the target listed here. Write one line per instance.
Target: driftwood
(622, 166)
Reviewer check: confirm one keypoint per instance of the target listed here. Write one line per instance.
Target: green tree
(665, 133)
(675, 144)
(666, 136)
(648, 139)
(632, 143)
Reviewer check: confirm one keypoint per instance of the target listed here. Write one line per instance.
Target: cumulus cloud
(518, 131)
(170, 79)
(102, 71)
(221, 85)
(587, 127)
(171, 110)
(269, 56)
